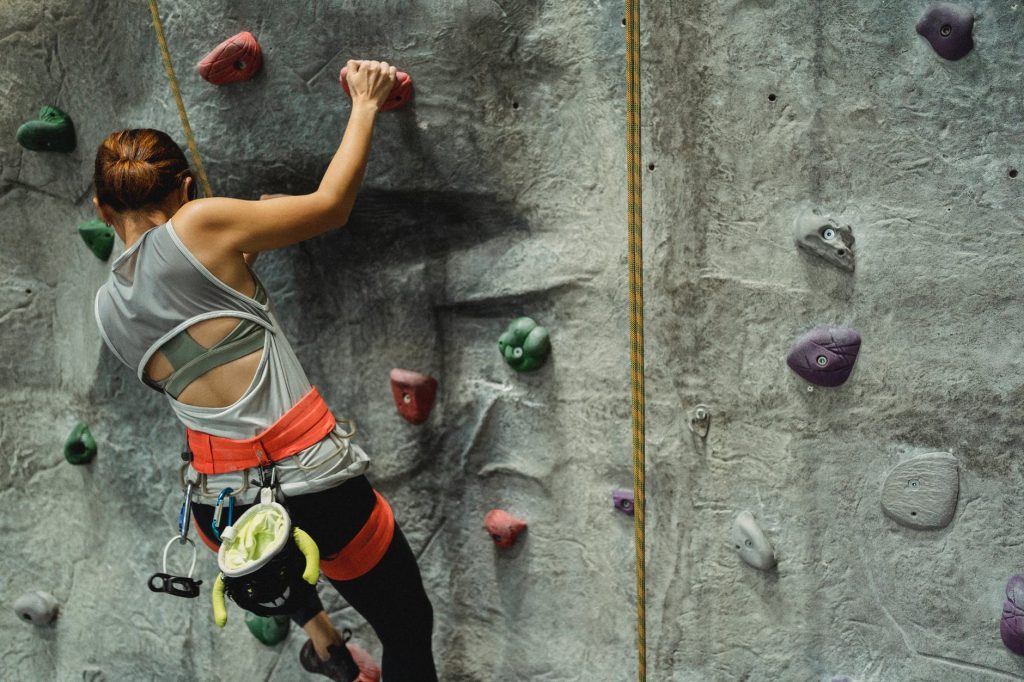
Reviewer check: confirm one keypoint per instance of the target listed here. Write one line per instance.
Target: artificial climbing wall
(498, 192)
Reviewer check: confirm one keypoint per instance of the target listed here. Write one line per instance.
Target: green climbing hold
(98, 236)
(270, 630)
(80, 447)
(525, 344)
(53, 131)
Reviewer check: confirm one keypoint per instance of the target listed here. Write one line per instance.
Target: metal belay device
(263, 558)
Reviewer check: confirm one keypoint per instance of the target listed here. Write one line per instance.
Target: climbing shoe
(340, 667)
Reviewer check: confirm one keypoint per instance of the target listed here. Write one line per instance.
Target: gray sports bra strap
(181, 350)
(246, 338)
(190, 360)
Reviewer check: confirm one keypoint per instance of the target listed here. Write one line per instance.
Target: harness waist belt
(307, 423)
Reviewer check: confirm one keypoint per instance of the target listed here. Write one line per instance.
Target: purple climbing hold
(623, 500)
(1011, 625)
(825, 355)
(948, 28)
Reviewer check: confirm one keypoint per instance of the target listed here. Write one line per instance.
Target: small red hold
(369, 671)
(401, 93)
(238, 58)
(414, 394)
(503, 527)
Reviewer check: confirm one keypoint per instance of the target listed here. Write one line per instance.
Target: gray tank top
(137, 312)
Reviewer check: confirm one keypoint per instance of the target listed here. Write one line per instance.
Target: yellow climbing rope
(173, 80)
(634, 162)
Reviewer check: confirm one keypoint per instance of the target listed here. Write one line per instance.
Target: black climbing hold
(80, 447)
(53, 131)
(948, 28)
(98, 236)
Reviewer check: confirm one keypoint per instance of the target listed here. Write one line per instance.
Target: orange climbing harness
(636, 314)
(359, 556)
(366, 549)
(304, 425)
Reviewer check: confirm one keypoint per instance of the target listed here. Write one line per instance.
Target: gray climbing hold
(922, 492)
(751, 543)
(820, 235)
(38, 608)
(93, 674)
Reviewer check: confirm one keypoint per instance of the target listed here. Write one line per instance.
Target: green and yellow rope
(634, 162)
(173, 80)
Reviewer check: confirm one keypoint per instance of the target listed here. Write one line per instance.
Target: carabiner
(268, 477)
(185, 515)
(220, 507)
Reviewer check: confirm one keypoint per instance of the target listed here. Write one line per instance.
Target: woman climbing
(183, 309)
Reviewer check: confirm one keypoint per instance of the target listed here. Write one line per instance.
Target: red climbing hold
(503, 527)
(414, 394)
(401, 93)
(369, 671)
(236, 59)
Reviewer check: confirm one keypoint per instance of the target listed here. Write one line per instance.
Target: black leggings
(390, 596)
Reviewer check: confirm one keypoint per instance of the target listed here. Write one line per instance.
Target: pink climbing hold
(414, 394)
(236, 59)
(503, 527)
(401, 93)
(369, 671)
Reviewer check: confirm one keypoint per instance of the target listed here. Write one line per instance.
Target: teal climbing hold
(98, 236)
(53, 131)
(80, 447)
(270, 630)
(525, 344)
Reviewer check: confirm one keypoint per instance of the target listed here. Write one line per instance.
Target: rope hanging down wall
(634, 162)
(173, 80)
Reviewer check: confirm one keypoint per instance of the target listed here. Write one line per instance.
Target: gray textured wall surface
(500, 191)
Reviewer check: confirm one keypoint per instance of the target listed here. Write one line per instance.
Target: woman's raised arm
(242, 226)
